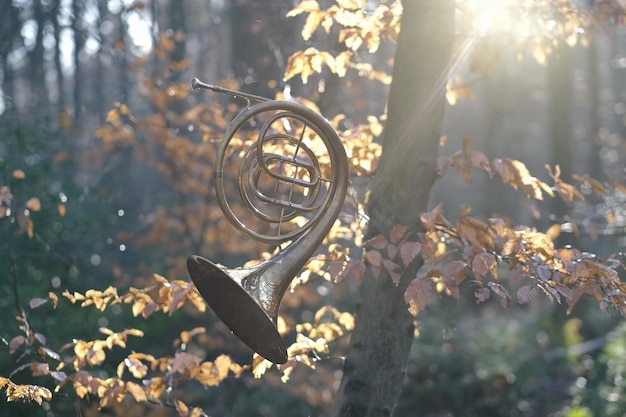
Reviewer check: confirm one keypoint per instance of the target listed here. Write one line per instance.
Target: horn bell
(238, 309)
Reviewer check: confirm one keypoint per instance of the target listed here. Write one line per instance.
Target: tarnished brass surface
(247, 300)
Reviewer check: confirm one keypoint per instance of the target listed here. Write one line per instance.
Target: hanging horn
(292, 181)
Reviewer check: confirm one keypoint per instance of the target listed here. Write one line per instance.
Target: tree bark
(379, 346)
(560, 94)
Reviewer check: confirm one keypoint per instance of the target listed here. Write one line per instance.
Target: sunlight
(498, 17)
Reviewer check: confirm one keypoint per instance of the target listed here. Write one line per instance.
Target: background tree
(94, 215)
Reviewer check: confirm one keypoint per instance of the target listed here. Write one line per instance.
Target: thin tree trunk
(78, 46)
(100, 83)
(379, 346)
(39, 92)
(10, 25)
(560, 93)
(61, 101)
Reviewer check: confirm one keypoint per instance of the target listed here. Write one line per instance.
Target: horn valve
(291, 183)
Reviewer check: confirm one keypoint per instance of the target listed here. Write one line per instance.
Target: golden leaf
(81, 348)
(61, 209)
(137, 368)
(181, 408)
(95, 357)
(305, 6)
(313, 20)
(260, 365)
(553, 232)
(138, 307)
(349, 4)
(19, 174)
(134, 332)
(136, 391)
(160, 278)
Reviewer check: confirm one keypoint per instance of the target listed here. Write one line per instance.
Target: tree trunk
(78, 46)
(379, 346)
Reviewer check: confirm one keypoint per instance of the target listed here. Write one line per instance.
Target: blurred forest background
(103, 149)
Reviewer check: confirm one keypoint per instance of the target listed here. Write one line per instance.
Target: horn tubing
(248, 300)
(196, 84)
(323, 128)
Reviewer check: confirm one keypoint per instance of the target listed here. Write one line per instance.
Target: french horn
(292, 182)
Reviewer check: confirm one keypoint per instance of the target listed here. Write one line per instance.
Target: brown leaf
(379, 242)
(398, 233)
(392, 268)
(502, 292)
(418, 294)
(543, 272)
(374, 258)
(430, 218)
(37, 302)
(483, 264)
(482, 294)
(15, 343)
(455, 272)
(526, 293)
(408, 251)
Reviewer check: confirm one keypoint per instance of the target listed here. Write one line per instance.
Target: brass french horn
(291, 195)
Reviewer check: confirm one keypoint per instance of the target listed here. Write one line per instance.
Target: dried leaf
(418, 294)
(483, 264)
(408, 251)
(526, 293)
(379, 242)
(181, 408)
(374, 258)
(19, 174)
(349, 4)
(502, 292)
(454, 273)
(305, 6)
(482, 294)
(553, 232)
(392, 268)
(54, 298)
(136, 391)
(33, 204)
(15, 343)
(397, 233)
(37, 302)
